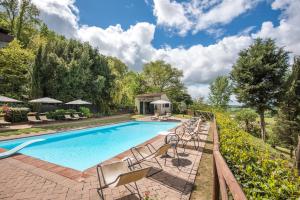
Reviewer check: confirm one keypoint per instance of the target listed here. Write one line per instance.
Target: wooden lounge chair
(68, 117)
(155, 116)
(46, 119)
(163, 118)
(3, 122)
(33, 119)
(169, 115)
(77, 116)
(117, 174)
(148, 152)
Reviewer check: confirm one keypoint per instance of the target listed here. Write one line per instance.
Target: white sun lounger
(18, 148)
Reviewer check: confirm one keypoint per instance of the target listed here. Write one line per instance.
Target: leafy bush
(257, 167)
(15, 114)
(59, 113)
(85, 111)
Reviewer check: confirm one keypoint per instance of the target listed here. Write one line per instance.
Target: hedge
(257, 167)
(59, 114)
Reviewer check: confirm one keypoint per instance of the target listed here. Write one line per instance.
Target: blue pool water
(82, 149)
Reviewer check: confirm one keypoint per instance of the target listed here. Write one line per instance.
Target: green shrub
(59, 113)
(258, 168)
(16, 114)
(85, 111)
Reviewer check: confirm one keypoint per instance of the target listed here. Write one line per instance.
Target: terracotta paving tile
(48, 166)
(69, 173)
(19, 156)
(57, 169)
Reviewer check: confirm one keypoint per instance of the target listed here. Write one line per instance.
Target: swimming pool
(82, 149)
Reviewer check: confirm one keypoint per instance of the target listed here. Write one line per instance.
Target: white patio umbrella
(160, 103)
(8, 100)
(79, 102)
(45, 100)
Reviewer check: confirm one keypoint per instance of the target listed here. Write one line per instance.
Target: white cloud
(132, 46)
(217, 33)
(171, 14)
(222, 13)
(199, 15)
(288, 32)
(246, 31)
(202, 64)
(59, 15)
(198, 90)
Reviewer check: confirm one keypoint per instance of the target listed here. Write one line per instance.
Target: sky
(200, 37)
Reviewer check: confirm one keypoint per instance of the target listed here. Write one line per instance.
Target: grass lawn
(137, 116)
(22, 131)
(204, 179)
(68, 125)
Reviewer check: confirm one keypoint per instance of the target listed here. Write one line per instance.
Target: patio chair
(76, 115)
(118, 174)
(46, 119)
(168, 114)
(33, 119)
(185, 135)
(148, 152)
(3, 122)
(68, 117)
(163, 118)
(155, 116)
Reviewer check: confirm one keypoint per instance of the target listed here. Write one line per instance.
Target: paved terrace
(24, 177)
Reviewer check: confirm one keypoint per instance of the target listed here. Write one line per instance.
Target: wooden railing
(224, 181)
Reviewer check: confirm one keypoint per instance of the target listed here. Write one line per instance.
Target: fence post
(216, 186)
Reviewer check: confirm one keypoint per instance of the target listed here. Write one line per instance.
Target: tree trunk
(297, 153)
(291, 152)
(262, 125)
(247, 126)
(23, 8)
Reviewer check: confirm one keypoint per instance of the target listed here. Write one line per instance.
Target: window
(166, 105)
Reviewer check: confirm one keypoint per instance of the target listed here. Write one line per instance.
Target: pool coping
(70, 173)
(14, 137)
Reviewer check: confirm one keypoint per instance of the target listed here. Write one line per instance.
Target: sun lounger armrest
(129, 161)
(134, 149)
(149, 145)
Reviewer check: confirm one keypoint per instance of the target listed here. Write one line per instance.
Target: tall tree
(10, 13)
(15, 63)
(68, 70)
(258, 76)
(287, 126)
(162, 77)
(119, 92)
(21, 17)
(220, 92)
